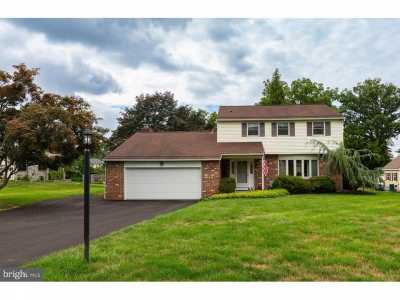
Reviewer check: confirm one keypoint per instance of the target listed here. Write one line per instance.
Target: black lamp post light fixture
(87, 140)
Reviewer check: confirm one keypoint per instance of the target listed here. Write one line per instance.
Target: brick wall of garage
(114, 189)
(210, 177)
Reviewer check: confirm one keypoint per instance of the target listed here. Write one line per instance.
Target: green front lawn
(298, 237)
(23, 193)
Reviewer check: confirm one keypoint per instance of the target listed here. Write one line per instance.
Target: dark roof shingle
(179, 145)
(278, 111)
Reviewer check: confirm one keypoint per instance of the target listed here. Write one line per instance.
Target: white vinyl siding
(298, 144)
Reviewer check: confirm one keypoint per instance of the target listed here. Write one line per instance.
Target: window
(388, 176)
(394, 176)
(283, 128)
(306, 166)
(233, 168)
(298, 168)
(290, 167)
(282, 168)
(252, 129)
(314, 168)
(318, 128)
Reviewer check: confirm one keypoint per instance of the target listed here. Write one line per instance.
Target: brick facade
(272, 161)
(272, 170)
(114, 189)
(337, 179)
(210, 177)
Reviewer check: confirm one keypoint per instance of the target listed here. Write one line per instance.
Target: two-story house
(253, 144)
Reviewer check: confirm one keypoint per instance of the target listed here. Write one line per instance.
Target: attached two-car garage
(157, 180)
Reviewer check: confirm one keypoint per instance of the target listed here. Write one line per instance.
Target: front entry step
(242, 189)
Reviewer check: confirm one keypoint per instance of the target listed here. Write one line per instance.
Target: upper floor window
(252, 129)
(388, 176)
(283, 128)
(318, 128)
(394, 176)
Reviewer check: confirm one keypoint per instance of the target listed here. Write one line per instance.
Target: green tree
(16, 89)
(38, 127)
(275, 90)
(371, 113)
(154, 111)
(212, 121)
(158, 111)
(305, 91)
(348, 162)
(185, 118)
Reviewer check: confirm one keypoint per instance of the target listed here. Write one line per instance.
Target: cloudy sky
(204, 62)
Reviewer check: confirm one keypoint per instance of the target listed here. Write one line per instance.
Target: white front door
(242, 176)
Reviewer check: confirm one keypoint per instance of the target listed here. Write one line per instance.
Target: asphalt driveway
(38, 229)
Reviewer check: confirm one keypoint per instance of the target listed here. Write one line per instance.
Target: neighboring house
(96, 163)
(13, 168)
(251, 143)
(391, 173)
(33, 173)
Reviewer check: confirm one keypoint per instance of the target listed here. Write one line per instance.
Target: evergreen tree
(275, 90)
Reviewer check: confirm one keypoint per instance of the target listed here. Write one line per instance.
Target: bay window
(298, 167)
(282, 168)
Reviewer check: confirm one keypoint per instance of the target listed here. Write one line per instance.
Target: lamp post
(87, 139)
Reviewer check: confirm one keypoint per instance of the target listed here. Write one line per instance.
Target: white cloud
(203, 62)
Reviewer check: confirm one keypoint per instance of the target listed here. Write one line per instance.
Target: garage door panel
(162, 183)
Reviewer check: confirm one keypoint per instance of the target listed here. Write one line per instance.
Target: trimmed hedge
(298, 185)
(252, 194)
(227, 185)
(322, 184)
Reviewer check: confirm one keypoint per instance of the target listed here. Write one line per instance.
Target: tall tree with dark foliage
(371, 111)
(275, 90)
(159, 112)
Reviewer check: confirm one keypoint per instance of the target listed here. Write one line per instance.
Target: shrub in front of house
(295, 185)
(322, 184)
(227, 185)
(251, 194)
(298, 185)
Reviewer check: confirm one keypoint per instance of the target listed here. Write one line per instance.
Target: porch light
(87, 137)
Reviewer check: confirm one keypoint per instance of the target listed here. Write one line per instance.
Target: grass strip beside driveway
(23, 193)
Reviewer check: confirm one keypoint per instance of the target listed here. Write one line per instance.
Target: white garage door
(166, 183)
